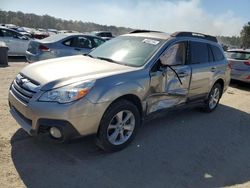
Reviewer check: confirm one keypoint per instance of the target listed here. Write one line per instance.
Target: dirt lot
(187, 148)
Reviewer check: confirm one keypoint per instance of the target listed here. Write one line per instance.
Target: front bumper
(78, 118)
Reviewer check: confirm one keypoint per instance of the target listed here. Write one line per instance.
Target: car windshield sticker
(150, 41)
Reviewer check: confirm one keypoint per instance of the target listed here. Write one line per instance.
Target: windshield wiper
(88, 55)
(108, 59)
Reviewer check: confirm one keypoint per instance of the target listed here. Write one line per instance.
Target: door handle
(213, 69)
(77, 49)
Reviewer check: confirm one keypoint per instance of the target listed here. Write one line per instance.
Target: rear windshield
(238, 55)
(54, 38)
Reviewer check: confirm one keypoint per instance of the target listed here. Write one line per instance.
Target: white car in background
(16, 42)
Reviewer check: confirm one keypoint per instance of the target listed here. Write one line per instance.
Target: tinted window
(238, 55)
(1, 33)
(199, 52)
(83, 42)
(218, 55)
(9, 33)
(174, 55)
(108, 35)
(98, 42)
(69, 42)
(210, 54)
(78, 42)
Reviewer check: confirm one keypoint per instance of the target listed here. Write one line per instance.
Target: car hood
(58, 72)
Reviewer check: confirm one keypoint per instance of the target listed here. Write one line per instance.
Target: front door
(170, 79)
(16, 42)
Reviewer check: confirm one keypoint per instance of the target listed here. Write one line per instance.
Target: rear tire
(213, 98)
(118, 126)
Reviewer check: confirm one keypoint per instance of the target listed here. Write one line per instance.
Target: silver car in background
(16, 42)
(239, 60)
(61, 45)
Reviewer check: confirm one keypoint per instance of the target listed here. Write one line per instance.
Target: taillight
(229, 64)
(247, 63)
(248, 77)
(44, 48)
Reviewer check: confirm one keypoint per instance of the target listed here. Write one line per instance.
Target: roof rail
(144, 31)
(195, 35)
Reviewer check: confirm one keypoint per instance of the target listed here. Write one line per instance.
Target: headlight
(68, 93)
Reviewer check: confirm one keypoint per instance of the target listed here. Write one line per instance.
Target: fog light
(55, 132)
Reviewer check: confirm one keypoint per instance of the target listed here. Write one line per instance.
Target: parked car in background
(67, 31)
(16, 42)
(109, 91)
(106, 35)
(40, 34)
(24, 31)
(239, 60)
(10, 26)
(52, 31)
(61, 45)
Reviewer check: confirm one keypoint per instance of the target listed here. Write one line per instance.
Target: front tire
(213, 98)
(118, 126)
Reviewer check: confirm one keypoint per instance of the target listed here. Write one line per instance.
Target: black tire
(207, 107)
(102, 137)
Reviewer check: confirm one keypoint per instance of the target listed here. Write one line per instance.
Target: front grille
(23, 88)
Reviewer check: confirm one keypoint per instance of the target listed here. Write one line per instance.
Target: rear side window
(83, 42)
(238, 55)
(8, 33)
(199, 53)
(79, 42)
(98, 42)
(1, 33)
(218, 55)
(108, 35)
(69, 42)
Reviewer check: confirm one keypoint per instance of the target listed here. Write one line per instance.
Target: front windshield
(128, 50)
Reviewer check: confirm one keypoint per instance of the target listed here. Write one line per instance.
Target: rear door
(170, 79)
(16, 42)
(202, 69)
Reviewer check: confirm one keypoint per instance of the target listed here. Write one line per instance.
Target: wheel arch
(131, 98)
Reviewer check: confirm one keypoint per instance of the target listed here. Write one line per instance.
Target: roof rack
(195, 35)
(144, 31)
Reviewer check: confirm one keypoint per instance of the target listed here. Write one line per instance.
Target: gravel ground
(186, 148)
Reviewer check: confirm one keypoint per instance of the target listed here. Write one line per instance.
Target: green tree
(245, 35)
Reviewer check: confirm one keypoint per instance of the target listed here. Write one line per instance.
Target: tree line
(49, 22)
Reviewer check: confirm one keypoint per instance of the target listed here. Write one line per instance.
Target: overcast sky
(217, 17)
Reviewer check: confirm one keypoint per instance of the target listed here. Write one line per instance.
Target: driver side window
(174, 55)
